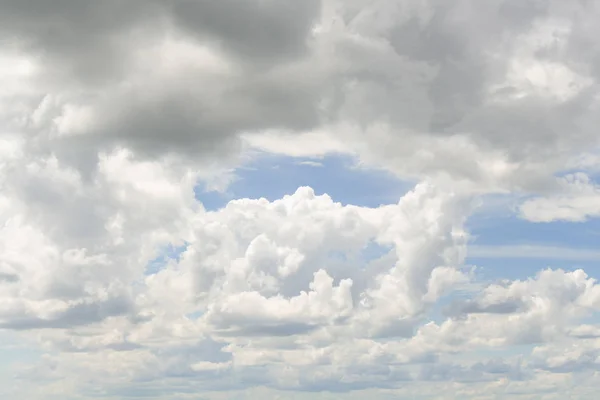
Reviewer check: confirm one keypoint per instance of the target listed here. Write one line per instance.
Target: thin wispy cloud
(315, 164)
(534, 251)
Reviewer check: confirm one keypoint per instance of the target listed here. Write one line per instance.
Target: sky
(318, 199)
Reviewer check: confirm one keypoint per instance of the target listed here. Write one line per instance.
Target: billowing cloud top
(125, 283)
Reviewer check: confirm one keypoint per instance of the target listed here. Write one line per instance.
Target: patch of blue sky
(506, 246)
(15, 351)
(195, 315)
(166, 254)
(438, 313)
(494, 269)
(14, 354)
(272, 177)
(497, 221)
(374, 250)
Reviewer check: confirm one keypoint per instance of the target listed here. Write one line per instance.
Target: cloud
(533, 251)
(420, 85)
(577, 202)
(315, 164)
(182, 78)
(257, 294)
(275, 315)
(254, 270)
(73, 248)
(483, 92)
(522, 312)
(112, 114)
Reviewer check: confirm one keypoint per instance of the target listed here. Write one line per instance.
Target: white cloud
(254, 270)
(112, 112)
(522, 312)
(578, 201)
(259, 294)
(311, 163)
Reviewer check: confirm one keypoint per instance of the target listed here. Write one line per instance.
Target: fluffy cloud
(245, 257)
(525, 312)
(293, 269)
(280, 294)
(71, 249)
(112, 113)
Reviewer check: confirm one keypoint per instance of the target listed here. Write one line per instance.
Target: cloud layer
(112, 113)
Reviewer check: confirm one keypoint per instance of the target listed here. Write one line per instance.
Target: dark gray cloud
(262, 31)
(93, 54)
(478, 70)
(83, 313)
(86, 40)
(8, 277)
(265, 329)
(494, 73)
(476, 306)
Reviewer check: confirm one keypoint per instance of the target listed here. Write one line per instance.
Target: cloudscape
(299, 199)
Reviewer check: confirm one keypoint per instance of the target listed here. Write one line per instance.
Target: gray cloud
(494, 74)
(8, 277)
(265, 329)
(83, 313)
(87, 40)
(93, 54)
(475, 306)
(263, 31)
(479, 86)
(488, 370)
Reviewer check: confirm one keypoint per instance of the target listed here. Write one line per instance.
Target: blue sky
(273, 176)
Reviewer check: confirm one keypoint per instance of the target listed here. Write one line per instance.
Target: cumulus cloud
(112, 113)
(71, 248)
(525, 312)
